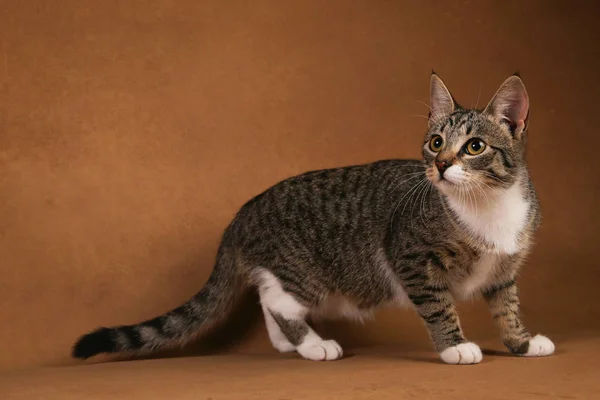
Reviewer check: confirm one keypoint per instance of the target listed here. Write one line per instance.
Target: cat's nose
(442, 165)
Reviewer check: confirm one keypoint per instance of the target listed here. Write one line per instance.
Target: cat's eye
(436, 143)
(475, 147)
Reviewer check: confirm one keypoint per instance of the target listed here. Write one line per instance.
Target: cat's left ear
(510, 106)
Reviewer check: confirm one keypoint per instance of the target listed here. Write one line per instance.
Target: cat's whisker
(397, 185)
(408, 176)
(415, 163)
(483, 192)
(463, 196)
(467, 198)
(493, 177)
(419, 115)
(490, 188)
(414, 192)
(400, 202)
(478, 97)
(436, 118)
(473, 183)
(425, 104)
(485, 173)
(473, 199)
(427, 188)
(422, 186)
(474, 196)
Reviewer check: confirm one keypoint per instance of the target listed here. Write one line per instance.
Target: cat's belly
(341, 307)
(337, 306)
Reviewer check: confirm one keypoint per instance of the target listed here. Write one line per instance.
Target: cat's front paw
(539, 346)
(464, 353)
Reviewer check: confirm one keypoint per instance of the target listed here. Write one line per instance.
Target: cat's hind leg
(278, 339)
(286, 319)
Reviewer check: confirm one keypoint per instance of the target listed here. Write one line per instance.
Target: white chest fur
(497, 218)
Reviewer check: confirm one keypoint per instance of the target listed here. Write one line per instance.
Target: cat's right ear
(440, 100)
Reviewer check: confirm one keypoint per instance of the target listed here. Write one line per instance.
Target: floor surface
(367, 373)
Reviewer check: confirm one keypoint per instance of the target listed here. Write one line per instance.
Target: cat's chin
(446, 186)
(454, 190)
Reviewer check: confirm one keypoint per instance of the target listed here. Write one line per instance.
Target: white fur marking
(483, 270)
(317, 349)
(274, 298)
(498, 219)
(464, 353)
(540, 346)
(455, 174)
(278, 339)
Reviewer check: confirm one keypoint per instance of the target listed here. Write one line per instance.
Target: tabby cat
(345, 241)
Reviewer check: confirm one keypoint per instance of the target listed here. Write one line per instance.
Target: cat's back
(329, 189)
(317, 211)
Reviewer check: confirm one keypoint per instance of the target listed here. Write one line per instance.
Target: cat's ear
(440, 100)
(510, 106)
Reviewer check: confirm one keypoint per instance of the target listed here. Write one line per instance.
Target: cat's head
(476, 150)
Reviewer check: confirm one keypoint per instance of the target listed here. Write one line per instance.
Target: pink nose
(442, 166)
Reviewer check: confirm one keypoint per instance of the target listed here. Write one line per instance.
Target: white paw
(540, 346)
(464, 353)
(284, 346)
(325, 350)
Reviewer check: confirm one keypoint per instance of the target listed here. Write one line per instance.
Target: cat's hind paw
(464, 353)
(284, 346)
(324, 350)
(539, 346)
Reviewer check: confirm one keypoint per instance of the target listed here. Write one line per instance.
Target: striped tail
(204, 310)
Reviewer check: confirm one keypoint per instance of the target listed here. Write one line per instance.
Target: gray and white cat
(345, 241)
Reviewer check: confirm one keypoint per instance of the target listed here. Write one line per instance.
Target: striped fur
(345, 241)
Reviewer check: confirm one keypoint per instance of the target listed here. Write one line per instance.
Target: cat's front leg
(435, 305)
(503, 301)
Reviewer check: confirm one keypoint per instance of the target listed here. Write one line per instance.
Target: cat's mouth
(449, 180)
(443, 180)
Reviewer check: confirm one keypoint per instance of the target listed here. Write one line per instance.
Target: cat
(342, 242)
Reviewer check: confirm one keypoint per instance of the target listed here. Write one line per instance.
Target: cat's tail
(208, 307)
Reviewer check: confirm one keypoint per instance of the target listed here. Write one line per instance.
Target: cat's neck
(497, 218)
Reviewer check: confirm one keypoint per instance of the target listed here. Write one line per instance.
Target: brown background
(131, 132)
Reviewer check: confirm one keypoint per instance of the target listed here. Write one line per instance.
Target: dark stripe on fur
(491, 291)
(505, 160)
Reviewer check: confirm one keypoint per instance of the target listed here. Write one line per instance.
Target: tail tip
(96, 342)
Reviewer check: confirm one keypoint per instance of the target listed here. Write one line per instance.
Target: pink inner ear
(520, 124)
(517, 108)
(521, 108)
(515, 125)
(510, 103)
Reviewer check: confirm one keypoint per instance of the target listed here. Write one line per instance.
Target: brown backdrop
(131, 132)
